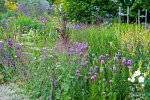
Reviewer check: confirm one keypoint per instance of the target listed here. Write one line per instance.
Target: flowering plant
(138, 78)
(12, 5)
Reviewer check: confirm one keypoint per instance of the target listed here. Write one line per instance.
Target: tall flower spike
(114, 69)
(95, 68)
(85, 78)
(102, 62)
(102, 70)
(104, 93)
(107, 55)
(115, 59)
(123, 62)
(92, 78)
(95, 60)
(110, 81)
(91, 69)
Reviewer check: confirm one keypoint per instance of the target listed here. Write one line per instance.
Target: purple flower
(104, 93)
(1, 43)
(100, 58)
(129, 62)
(114, 69)
(55, 84)
(95, 76)
(77, 44)
(102, 70)
(5, 39)
(91, 69)
(119, 54)
(110, 81)
(95, 60)
(9, 56)
(82, 64)
(17, 48)
(78, 74)
(95, 68)
(10, 43)
(130, 70)
(4, 60)
(82, 47)
(81, 53)
(11, 61)
(77, 71)
(104, 80)
(102, 62)
(85, 63)
(107, 55)
(8, 47)
(92, 78)
(77, 27)
(90, 73)
(79, 58)
(77, 50)
(109, 69)
(71, 49)
(20, 60)
(9, 40)
(115, 59)
(82, 90)
(86, 46)
(123, 61)
(85, 78)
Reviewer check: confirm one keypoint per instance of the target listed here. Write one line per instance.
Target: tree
(51, 1)
(80, 10)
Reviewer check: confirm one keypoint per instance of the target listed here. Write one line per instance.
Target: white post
(138, 17)
(146, 19)
(128, 15)
(119, 15)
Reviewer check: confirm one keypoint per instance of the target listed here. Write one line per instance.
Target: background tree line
(88, 10)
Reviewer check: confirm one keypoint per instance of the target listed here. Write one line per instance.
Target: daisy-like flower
(141, 79)
(142, 85)
(129, 79)
(144, 74)
(132, 79)
(137, 73)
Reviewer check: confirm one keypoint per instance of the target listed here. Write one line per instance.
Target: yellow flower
(131, 74)
(110, 44)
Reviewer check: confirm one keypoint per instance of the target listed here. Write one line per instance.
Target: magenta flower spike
(102, 62)
(102, 70)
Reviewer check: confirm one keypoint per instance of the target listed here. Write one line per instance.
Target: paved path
(11, 92)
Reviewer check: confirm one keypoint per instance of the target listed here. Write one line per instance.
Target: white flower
(132, 79)
(141, 79)
(142, 85)
(129, 79)
(144, 74)
(137, 73)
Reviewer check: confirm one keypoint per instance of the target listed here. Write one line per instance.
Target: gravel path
(11, 92)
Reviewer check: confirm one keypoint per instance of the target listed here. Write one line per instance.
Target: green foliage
(51, 1)
(83, 10)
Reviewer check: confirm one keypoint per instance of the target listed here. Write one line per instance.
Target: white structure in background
(122, 14)
(44, 3)
(142, 16)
